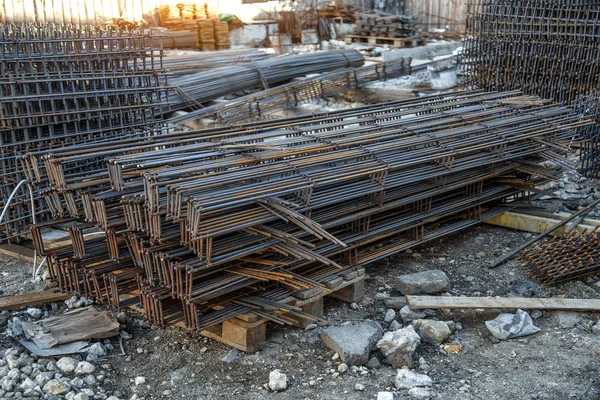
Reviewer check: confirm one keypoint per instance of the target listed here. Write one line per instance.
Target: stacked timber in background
(382, 24)
(193, 26)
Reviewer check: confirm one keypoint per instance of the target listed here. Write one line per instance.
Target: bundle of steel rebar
(548, 48)
(204, 86)
(559, 259)
(264, 103)
(178, 63)
(66, 84)
(202, 226)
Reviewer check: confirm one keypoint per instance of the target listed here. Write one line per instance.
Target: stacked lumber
(206, 35)
(345, 12)
(221, 32)
(380, 24)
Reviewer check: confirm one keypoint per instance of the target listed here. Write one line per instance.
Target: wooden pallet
(248, 332)
(393, 42)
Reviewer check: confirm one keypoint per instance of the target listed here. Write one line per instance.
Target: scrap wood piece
(453, 302)
(81, 324)
(31, 299)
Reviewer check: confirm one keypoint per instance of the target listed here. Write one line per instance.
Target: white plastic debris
(508, 326)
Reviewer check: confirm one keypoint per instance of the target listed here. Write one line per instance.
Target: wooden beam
(554, 303)
(16, 251)
(31, 299)
(537, 224)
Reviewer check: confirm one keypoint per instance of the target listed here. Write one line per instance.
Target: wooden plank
(16, 251)
(31, 299)
(536, 224)
(553, 303)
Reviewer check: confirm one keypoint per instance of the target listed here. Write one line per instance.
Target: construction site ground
(559, 362)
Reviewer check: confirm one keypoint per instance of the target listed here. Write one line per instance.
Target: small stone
(90, 380)
(596, 327)
(81, 396)
(67, 364)
(452, 348)
(233, 355)
(386, 395)
(354, 306)
(535, 314)
(139, 380)
(394, 326)
(28, 384)
(343, 367)
(35, 313)
(381, 296)
(425, 282)
(432, 332)
(373, 363)
(56, 387)
(84, 368)
(51, 366)
(390, 315)
(310, 327)
(277, 381)
(14, 374)
(125, 336)
(77, 382)
(419, 393)
(398, 346)
(408, 315)
(407, 379)
(359, 387)
(73, 302)
(97, 349)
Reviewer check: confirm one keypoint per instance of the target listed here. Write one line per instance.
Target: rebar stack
(559, 259)
(548, 48)
(203, 226)
(262, 104)
(179, 63)
(208, 85)
(62, 85)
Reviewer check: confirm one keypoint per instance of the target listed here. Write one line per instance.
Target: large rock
(426, 282)
(432, 332)
(353, 342)
(398, 346)
(407, 379)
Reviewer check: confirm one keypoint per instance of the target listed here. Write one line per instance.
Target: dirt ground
(560, 362)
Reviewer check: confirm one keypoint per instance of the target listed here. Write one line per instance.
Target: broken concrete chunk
(398, 346)
(277, 381)
(353, 342)
(432, 332)
(408, 315)
(426, 282)
(407, 379)
(508, 326)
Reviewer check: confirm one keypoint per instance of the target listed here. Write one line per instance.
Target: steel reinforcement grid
(62, 84)
(202, 226)
(548, 48)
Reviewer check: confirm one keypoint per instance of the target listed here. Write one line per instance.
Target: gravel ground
(560, 362)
